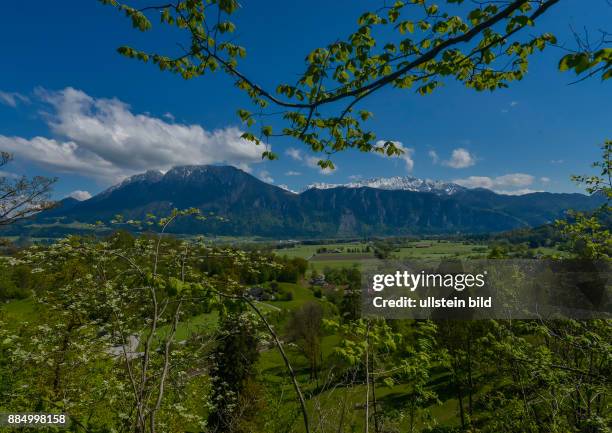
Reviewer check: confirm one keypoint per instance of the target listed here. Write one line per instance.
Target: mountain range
(404, 183)
(250, 207)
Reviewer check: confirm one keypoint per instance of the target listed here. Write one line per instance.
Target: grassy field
(423, 249)
(427, 249)
(432, 249)
(18, 311)
(308, 251)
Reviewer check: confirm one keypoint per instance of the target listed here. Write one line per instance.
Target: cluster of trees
(365, 249)
(383, 249)
(544, 236)
(18, 282)
(506, 250)
(344, 291)
(104, 346)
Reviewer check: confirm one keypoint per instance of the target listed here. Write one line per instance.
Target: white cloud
(244, 167)
(406, 156)
(434, 156)
(12, 98)
(60, 155)
(557, 161)
(103, 138)
(308, 160)
(293, 173)
(514, 180)
(545, 179)
(475, 182)
(169, 116)
(80, 195)
(355, 177)
(286, 188)
(294, 153)
(265, 176)
(512, 104)
(521, 191)
(460, 158)
(505, 184)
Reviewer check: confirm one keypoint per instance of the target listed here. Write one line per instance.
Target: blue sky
(71, 107)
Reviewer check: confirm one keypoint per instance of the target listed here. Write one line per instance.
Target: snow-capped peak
(406, 183)
(149, 176)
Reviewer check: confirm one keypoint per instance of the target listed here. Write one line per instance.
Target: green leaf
(406, 26)
(244, 114)
(228, 6)
(365, 115)
(389, 382)
(175, 285)
(309, 81)
(567, 62)
(582, 63)
(475, 16)
(226, 27)
(269, 155)
(393, 15)
(605, 54)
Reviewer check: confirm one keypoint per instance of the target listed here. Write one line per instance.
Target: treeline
(17, 281)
